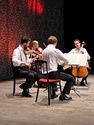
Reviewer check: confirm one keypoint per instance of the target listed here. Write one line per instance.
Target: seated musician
(23, 66)
(37, 54)
(35, 48)
(34, 51)
(51, 54)
(80, 50)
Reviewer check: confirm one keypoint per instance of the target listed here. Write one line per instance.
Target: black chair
(41, 66)
(15, 77)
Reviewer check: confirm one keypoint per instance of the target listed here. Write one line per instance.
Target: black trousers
(30, 75)
(65, 77)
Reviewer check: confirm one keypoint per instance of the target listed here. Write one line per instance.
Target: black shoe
(61, 98)
(74, 83)
(26, 94)
(54, 96)
(67, 98)
(64, 97)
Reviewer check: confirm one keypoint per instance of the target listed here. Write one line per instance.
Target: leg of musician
(68, 70)
(84, 80)
(31, 77)
(69, 82)
(54, 90)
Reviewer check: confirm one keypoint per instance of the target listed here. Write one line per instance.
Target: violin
(80, 71)
(36, 54)
(27, 51)
(37, 51)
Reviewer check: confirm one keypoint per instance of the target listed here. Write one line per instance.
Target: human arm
(84, 51)
(19, 58)
(61, 56)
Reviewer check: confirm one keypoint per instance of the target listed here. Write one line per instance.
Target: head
(52, 40)
(25, 42)
(77, 43)
(35, 44)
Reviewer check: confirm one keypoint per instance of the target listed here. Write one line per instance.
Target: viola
(80, 71)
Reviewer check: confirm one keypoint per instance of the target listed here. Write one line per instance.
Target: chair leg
(37, 93)
(14, 86)
(49, 93)
(60, 87)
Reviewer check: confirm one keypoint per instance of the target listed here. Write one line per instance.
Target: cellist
(79, 48)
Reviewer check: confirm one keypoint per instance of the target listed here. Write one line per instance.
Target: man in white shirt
(51, 54)
(80, 50)
(22, 66)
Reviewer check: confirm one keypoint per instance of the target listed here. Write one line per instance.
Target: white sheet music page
(76, 59)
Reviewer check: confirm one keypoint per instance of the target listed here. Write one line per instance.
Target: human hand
(28, 65)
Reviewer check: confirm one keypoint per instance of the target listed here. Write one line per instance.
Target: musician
(51, 55)
(37, 51)
(23, 66)
(80, 50)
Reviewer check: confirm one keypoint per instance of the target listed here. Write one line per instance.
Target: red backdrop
(36, 19)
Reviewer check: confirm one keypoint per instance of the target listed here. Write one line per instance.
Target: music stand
(76, 60)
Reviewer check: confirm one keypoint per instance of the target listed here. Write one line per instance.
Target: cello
(80, 71)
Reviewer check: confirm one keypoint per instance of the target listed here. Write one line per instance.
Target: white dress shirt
(52, 55)
(19, 57)
(75, 50)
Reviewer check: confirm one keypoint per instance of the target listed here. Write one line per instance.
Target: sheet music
(76, 59)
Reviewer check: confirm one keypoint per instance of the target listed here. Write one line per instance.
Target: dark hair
(25, 40)
(52, 40)
(77, 40)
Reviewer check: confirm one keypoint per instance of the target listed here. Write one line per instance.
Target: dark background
(38, 19)
(79, 23)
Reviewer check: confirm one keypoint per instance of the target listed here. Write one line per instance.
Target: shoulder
(84, 48)
(17, 49)
(72, 50)
(40, 49)
(58, 50)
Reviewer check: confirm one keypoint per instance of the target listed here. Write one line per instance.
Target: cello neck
(83, 44)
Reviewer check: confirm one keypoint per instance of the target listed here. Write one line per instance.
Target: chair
(41, 66)
(15, 77)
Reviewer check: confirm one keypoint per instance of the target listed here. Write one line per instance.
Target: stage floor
(18, 110)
